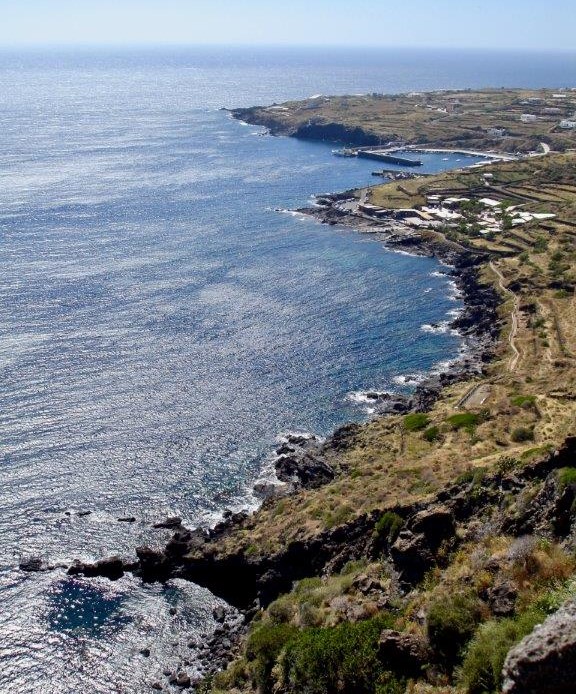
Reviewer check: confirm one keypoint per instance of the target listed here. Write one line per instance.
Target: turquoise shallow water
(161, 323)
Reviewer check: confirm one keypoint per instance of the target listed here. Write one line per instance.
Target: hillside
(503, 120)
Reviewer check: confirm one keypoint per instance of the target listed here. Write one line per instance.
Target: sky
(501, 24)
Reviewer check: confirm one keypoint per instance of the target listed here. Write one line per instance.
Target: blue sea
(162, 322)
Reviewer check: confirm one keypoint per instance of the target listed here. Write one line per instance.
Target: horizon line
(337, 46)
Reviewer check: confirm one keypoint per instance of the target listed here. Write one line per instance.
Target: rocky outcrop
(301, 462)
(403, 653)
(312, 129)
(415, 551)
(337, 132)
(545, 661)
(111, 567)
(430, 530)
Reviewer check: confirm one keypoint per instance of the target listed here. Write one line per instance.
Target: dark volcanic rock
(32, 564)
(344, 437)
(301, 462)
(336, 132)
(545, 661)
(183, 680)
(415, 550)
(404, 654)
(502, 599)
(219, 614)
(153, 565)
(169, 523)
(303, 471)
(111, 567)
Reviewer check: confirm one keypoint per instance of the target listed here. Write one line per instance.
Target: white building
(568, 124)
(528, 118)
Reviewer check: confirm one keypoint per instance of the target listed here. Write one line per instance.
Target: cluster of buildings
(489, 215)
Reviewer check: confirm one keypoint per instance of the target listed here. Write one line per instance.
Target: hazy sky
(538, 24)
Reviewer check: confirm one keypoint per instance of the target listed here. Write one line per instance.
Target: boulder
(183, 680)
(416, 548)
(32, 564)
(404, 654)
(304, 471)
(219, 613)
(545, 661)
(153, 564)
(502, 599)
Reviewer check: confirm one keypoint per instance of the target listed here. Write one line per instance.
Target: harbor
(391, 155)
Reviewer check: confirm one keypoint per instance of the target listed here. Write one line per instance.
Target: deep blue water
(161, 323)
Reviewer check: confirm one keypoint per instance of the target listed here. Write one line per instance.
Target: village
(485, 216)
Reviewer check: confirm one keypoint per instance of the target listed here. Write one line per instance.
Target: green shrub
(281, 610)
(416, 421)
(552, 600)
(338, 659)
(464, 420)
(338, 516)
(541, 244)
(236, 675)
(506, 464)
(524, 400)
(567, 476)
(431, 434)
(388, 526)
(475, 476)
(522, 434)
(309, 615)
(481, 671)
(353, 566)
(263, 648)
(307, 585)
(451, 623)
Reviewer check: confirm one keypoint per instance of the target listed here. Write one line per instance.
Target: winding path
(514, 329)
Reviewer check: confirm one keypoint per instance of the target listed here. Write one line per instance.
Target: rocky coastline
(305, 462)
(326, 132)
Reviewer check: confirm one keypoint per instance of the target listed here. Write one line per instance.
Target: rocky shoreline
(303, 462)
(327, 132)
(478, 324)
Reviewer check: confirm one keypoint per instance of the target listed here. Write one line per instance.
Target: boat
(346, 152)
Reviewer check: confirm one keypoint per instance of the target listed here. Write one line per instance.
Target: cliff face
(337, 132)
(486, 555)
(311, 129)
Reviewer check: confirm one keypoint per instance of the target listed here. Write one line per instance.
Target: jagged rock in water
(170, 523)
(545, 661)
(111, 567)
(32, 564)
(153, 564)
